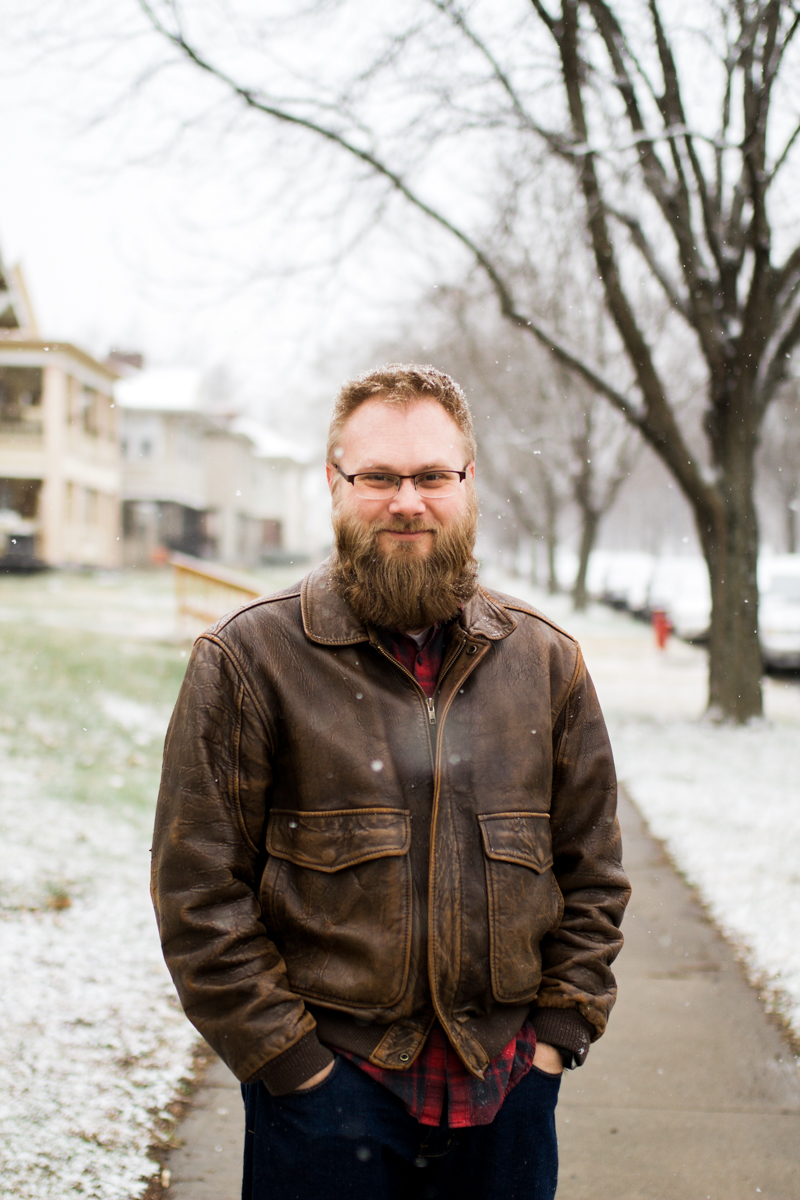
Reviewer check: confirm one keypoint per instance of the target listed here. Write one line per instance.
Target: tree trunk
(552, 576)
(729, 537)
(791, 525)
(533, 568)
(551, 534)
(590, 523)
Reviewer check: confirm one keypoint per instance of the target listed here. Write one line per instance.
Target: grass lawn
(91, 709)
(93, 1045)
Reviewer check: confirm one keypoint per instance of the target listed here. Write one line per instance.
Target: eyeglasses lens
(435, 484)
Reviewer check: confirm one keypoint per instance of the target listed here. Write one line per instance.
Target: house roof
(10, 343)
(162, 389)
(180, 390)
(16, 311)
(268, 443)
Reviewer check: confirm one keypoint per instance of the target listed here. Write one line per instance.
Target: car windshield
(785, 587)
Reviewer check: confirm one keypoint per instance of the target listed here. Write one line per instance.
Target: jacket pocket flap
(331, 841)
(518, 837)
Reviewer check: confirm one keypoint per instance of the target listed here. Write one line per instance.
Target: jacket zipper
(436, 747)
(437, 780)
(427, 703)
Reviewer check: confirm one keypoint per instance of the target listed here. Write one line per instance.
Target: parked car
(627, 581)
(779, 612)
(679, 587)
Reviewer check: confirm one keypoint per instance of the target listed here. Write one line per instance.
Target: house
(284, 497)
(201, 482)
(164, 474)
(60, 463)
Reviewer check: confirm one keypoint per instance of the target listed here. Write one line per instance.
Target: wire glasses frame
(377, 485)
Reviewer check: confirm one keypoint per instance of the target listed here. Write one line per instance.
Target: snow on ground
(92, 1043)
(726, 801)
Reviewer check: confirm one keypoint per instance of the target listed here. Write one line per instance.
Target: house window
(89, 407)
(20, 395)
(21, 496)
(92, 506)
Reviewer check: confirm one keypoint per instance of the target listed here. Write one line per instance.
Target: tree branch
(775, 371)
(758, 308)
(657, 422)
(674, 112)
(634, 227)
(784, 154)
(456, 15)
(673, 198)
(502, 290)
(544, 15)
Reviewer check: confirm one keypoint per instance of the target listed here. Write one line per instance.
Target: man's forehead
(422, 426)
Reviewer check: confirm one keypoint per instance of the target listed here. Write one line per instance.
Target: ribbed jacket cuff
(564, 1028)
(297, 1064)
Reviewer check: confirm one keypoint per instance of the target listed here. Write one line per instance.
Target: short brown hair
(402, 383)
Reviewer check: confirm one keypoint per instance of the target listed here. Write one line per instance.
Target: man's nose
(407, 500)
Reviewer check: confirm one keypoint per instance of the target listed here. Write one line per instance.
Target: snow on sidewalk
(726, 801)
(93, 1045)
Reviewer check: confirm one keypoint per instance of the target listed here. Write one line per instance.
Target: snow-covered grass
(93, 1045)
(725, 801)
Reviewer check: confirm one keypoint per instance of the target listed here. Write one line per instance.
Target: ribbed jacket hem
(344, 1032)
(564, 1028)
(297, 1064)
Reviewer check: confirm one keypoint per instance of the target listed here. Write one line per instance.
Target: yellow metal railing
(205, 592)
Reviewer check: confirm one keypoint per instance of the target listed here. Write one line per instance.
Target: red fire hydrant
(662, 627)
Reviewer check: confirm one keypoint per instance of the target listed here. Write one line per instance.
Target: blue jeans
(349, 1138)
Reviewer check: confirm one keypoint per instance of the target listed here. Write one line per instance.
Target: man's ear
(470, 469)
(331, 475)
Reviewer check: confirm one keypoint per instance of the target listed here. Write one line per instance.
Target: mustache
(404, 527)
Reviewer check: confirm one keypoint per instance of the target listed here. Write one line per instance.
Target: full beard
(403, 589)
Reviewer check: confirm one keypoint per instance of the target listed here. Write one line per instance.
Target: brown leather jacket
(338, 862)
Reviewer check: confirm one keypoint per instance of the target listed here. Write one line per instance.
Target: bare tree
(549, 444)
(676, 127)
(552, 441)
(604, 457)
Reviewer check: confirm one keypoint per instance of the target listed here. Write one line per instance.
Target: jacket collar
(328, 620)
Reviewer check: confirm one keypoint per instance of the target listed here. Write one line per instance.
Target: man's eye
(433, 477)
(376, 477)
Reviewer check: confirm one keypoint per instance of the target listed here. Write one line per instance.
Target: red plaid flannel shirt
(437, 1087)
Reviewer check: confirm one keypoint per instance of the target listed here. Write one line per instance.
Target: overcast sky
(251, 246)
(184, 255)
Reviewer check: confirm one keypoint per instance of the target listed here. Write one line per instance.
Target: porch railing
(205, 592)
(18, 427)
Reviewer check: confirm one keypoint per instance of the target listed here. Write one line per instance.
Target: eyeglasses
(380, 485)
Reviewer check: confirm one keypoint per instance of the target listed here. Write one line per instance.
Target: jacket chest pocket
(336, 894)
(523, 898)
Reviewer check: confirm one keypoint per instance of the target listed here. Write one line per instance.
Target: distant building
(60, 465)
(164, 492)
(283, 493)
(110, 464)
(205, 484)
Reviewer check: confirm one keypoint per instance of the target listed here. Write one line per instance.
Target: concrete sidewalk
(693, 1094)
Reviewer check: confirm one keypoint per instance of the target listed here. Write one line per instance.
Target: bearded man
(387, 865)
